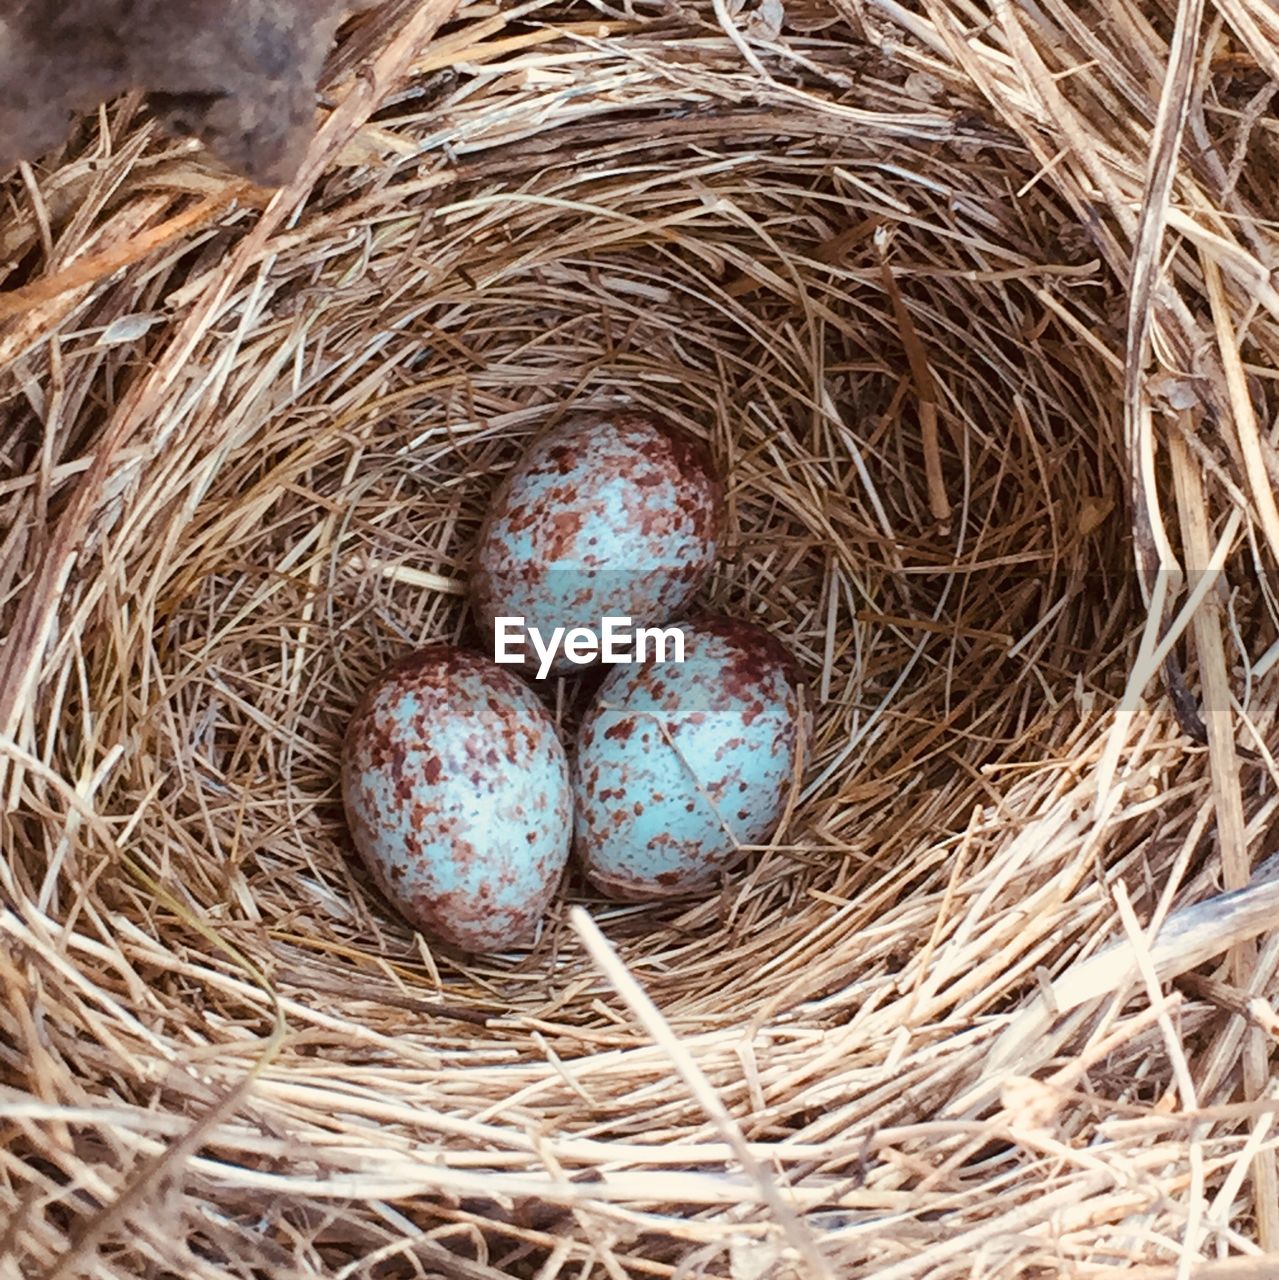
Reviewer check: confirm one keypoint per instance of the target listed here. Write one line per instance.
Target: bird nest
(973, 306)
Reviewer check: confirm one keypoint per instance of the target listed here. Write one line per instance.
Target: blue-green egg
(678, 764)
(456, 790)
(614, 514)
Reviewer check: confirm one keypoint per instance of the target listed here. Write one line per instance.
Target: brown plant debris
(239, 75)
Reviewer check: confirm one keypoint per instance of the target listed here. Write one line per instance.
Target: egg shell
(456, 790)
(678, 763)
(614, 515)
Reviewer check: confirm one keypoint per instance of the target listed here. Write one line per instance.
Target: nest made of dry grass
(974, 305)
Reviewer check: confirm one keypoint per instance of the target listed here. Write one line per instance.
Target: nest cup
(883, 262)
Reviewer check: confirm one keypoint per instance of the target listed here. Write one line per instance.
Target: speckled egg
(456, 790)
(679, 763)
(614, 515)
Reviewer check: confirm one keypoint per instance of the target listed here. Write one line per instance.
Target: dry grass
(974, 304)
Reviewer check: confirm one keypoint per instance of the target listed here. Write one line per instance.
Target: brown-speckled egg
(456, 790)
(612, 515)
(679, 764)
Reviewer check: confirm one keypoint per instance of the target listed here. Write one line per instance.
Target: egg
(614, 515)
(457, 794)
(678, 764)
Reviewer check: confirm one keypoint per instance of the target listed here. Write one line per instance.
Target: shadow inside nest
(921, 499)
